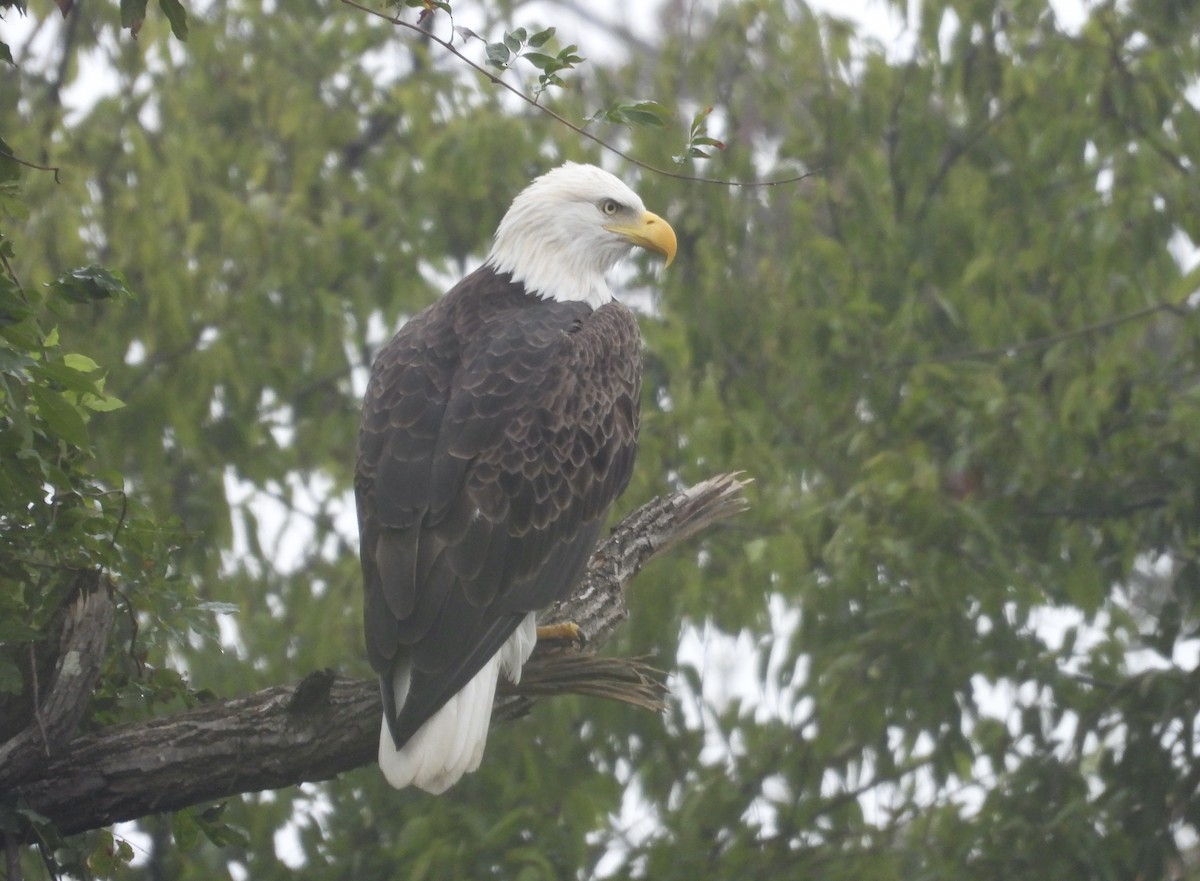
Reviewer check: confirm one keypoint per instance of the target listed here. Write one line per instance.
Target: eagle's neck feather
(551, 272)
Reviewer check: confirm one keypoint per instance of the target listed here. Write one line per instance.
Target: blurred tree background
(956, 636)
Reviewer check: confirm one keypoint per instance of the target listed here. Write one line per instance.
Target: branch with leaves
(516, 45)
(1181, 309)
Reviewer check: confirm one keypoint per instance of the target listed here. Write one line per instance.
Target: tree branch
(328, 724)
(57, 711)
(17, 159)
(559, 118)
(1043, 342)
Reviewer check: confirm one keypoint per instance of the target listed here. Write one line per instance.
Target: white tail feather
(450, 743)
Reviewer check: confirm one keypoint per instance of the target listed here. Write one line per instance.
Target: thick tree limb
(58, 705)
(328, 724)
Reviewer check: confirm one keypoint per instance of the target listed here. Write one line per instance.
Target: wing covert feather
(497, 429)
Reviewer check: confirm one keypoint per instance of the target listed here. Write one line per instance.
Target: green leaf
(6, 53)
(649, 113)
(103, 404)
(217, 831)
(18, 327)
(11, 202)
(699, 119)
(613, 113)
(65, 376)
(90, 283)
(133, 13)
(185, 829)
(61, 416)
(110, 854)
(177, 16)
(498, 55)
(645, 113)
(79, 362)
(14, 362)
(540, 38)
(540, 60)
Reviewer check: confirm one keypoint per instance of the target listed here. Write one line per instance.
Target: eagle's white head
(567, 229)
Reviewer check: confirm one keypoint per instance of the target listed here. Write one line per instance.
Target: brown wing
(497, 430)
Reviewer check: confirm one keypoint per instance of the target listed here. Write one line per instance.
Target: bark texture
(327, 723)
(56, 706)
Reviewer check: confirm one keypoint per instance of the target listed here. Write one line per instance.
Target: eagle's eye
(610, 207)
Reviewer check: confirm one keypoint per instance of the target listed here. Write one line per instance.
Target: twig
(13, 275)
(495, 80)
(36, 694)
(1129, 78)
(955, 151)
(112, 544)
(134, 627)
(33, 165)
(53, 98)
(627, 680)
(1046, 341)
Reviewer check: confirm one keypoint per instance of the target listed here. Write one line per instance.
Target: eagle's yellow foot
(567, 631)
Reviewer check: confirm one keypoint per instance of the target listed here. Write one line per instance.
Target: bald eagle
(498, 427)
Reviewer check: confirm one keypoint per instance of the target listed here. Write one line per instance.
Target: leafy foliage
(698, 139)
(517, 45)
(133, 14)
(67, 526)
(649, 113)
(957, 634)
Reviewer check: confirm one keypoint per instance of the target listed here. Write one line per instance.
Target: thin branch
(1096, 514)
(35, 692)
(495, 80)
(1129, 78)
(134, 628)
(53, 98)
(13, 275)
(891, 139)
(1043, 342)
(625, 680)
(17, 159)
(956, 151)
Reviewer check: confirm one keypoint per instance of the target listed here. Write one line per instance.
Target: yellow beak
(650, 232)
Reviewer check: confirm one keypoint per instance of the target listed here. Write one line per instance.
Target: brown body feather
(496, 432)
